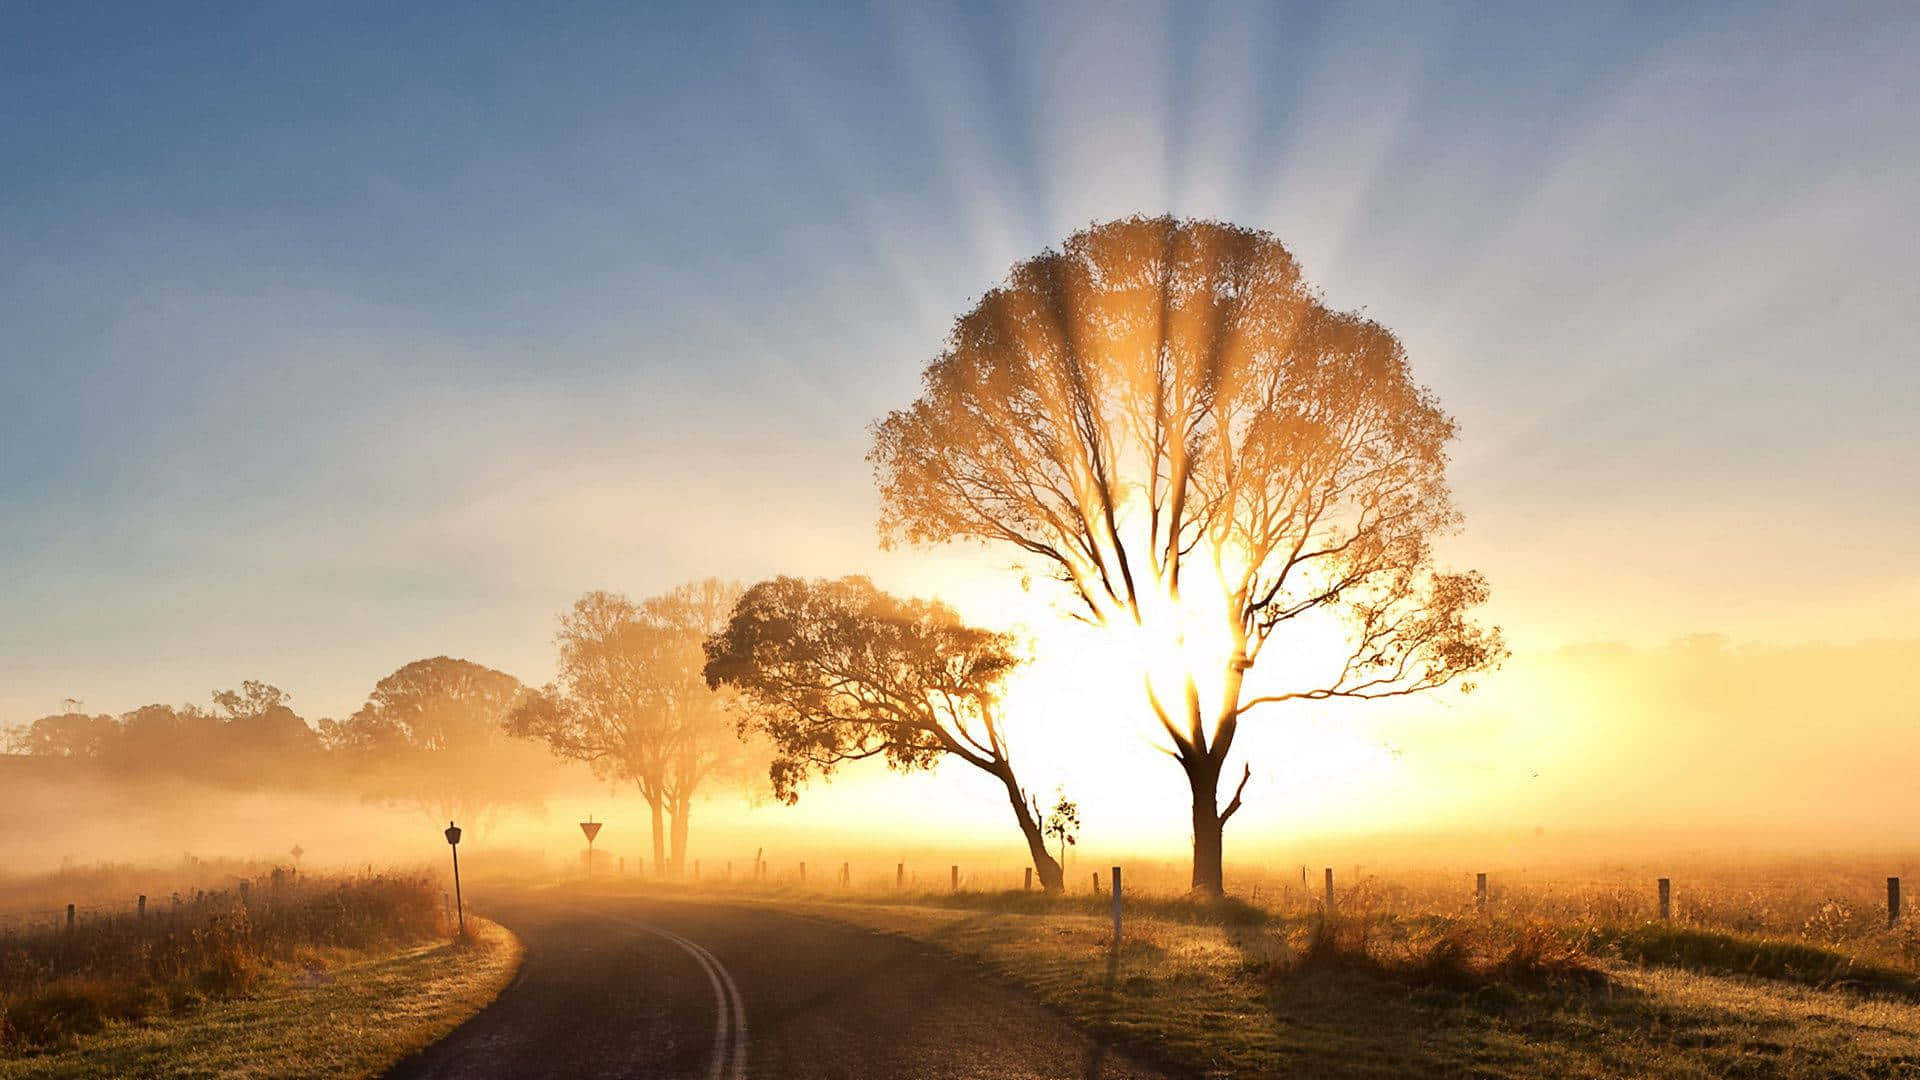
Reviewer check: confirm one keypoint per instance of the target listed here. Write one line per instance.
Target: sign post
(592, 829)
(453, 842)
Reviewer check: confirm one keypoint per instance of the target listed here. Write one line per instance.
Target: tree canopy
(838, 671)
(630, 700)
(1165, 417)
(432, 734)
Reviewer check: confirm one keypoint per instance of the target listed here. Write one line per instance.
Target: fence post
(1116, 909)
(846, 875)
(1893, 901)
(69, 918)
(1329, 902)
(899, 876)
(1028, 886)
(1480, 892)
(1666, 900)
(143, 904)
(1096, 883)
(956, 879)
(803, 875)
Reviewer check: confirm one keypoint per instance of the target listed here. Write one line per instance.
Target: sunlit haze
(334, 341)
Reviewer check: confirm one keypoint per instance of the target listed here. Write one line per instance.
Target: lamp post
(453, 842)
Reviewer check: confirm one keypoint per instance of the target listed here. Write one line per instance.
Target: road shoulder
(355, 1020)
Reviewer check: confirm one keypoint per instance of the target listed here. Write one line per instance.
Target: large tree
(631, 701)
(433, 734)
(836, 671)
(1164, 416)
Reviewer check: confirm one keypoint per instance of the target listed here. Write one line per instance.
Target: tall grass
(57, 983)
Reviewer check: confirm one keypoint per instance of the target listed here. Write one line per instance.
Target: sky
(336, 336)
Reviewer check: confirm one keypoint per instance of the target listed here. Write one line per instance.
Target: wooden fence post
(1096, 883)
(1116, 909)
(956, 879)
(1329, 905)
(69, 918)
(1893, 901)
(899, 875)
(1028, 886)
(846, 875)
(803, 875)
(1666, 900)
(1480, 892)
(143, 905)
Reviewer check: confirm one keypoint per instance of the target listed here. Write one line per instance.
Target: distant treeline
(431, 735)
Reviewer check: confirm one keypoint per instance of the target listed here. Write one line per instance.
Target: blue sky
(334, 337)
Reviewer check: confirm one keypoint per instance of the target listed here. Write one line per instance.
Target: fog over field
(1610, 751)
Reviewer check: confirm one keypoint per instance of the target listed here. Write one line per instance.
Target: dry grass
(1770, 968)
(353, 1017)
(59, 984)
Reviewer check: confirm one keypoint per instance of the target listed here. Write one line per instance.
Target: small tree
(837, 671)
(1063, 823)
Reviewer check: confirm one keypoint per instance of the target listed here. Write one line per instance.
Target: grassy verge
(1246, 992)
(352, 1018)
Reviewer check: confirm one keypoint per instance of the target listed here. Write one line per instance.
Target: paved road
(674, 988)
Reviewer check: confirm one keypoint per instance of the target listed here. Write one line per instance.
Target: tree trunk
(677, 861)
(1052, 878)
(1203, 776)
(659, 837)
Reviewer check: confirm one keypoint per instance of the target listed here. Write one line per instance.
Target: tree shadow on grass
(1345, 1015)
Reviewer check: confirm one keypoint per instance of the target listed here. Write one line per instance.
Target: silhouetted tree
(258, 719)
(65, 735)
(836, 671)
(707, 749)
(631, 701)
(1063, 823)
(1164, 416)
(433, 733)
(251, 737)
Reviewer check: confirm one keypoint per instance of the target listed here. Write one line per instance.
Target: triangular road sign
(591, 828)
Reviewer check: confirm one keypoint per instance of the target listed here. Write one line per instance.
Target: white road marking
(729, 1055)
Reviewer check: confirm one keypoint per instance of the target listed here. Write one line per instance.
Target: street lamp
(453, 842)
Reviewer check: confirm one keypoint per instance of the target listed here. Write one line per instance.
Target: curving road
(710, 991)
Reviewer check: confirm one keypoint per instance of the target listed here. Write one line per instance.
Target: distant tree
(259, 721)
(630, 700)
(837, 671)
(1063, 823)
(156, 737)
(707, 750)
(433, 734)
(1163, 416)
(64, 735)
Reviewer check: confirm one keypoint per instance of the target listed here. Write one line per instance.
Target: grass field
(278, 975)
(350, 1020)
(1773, 968)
